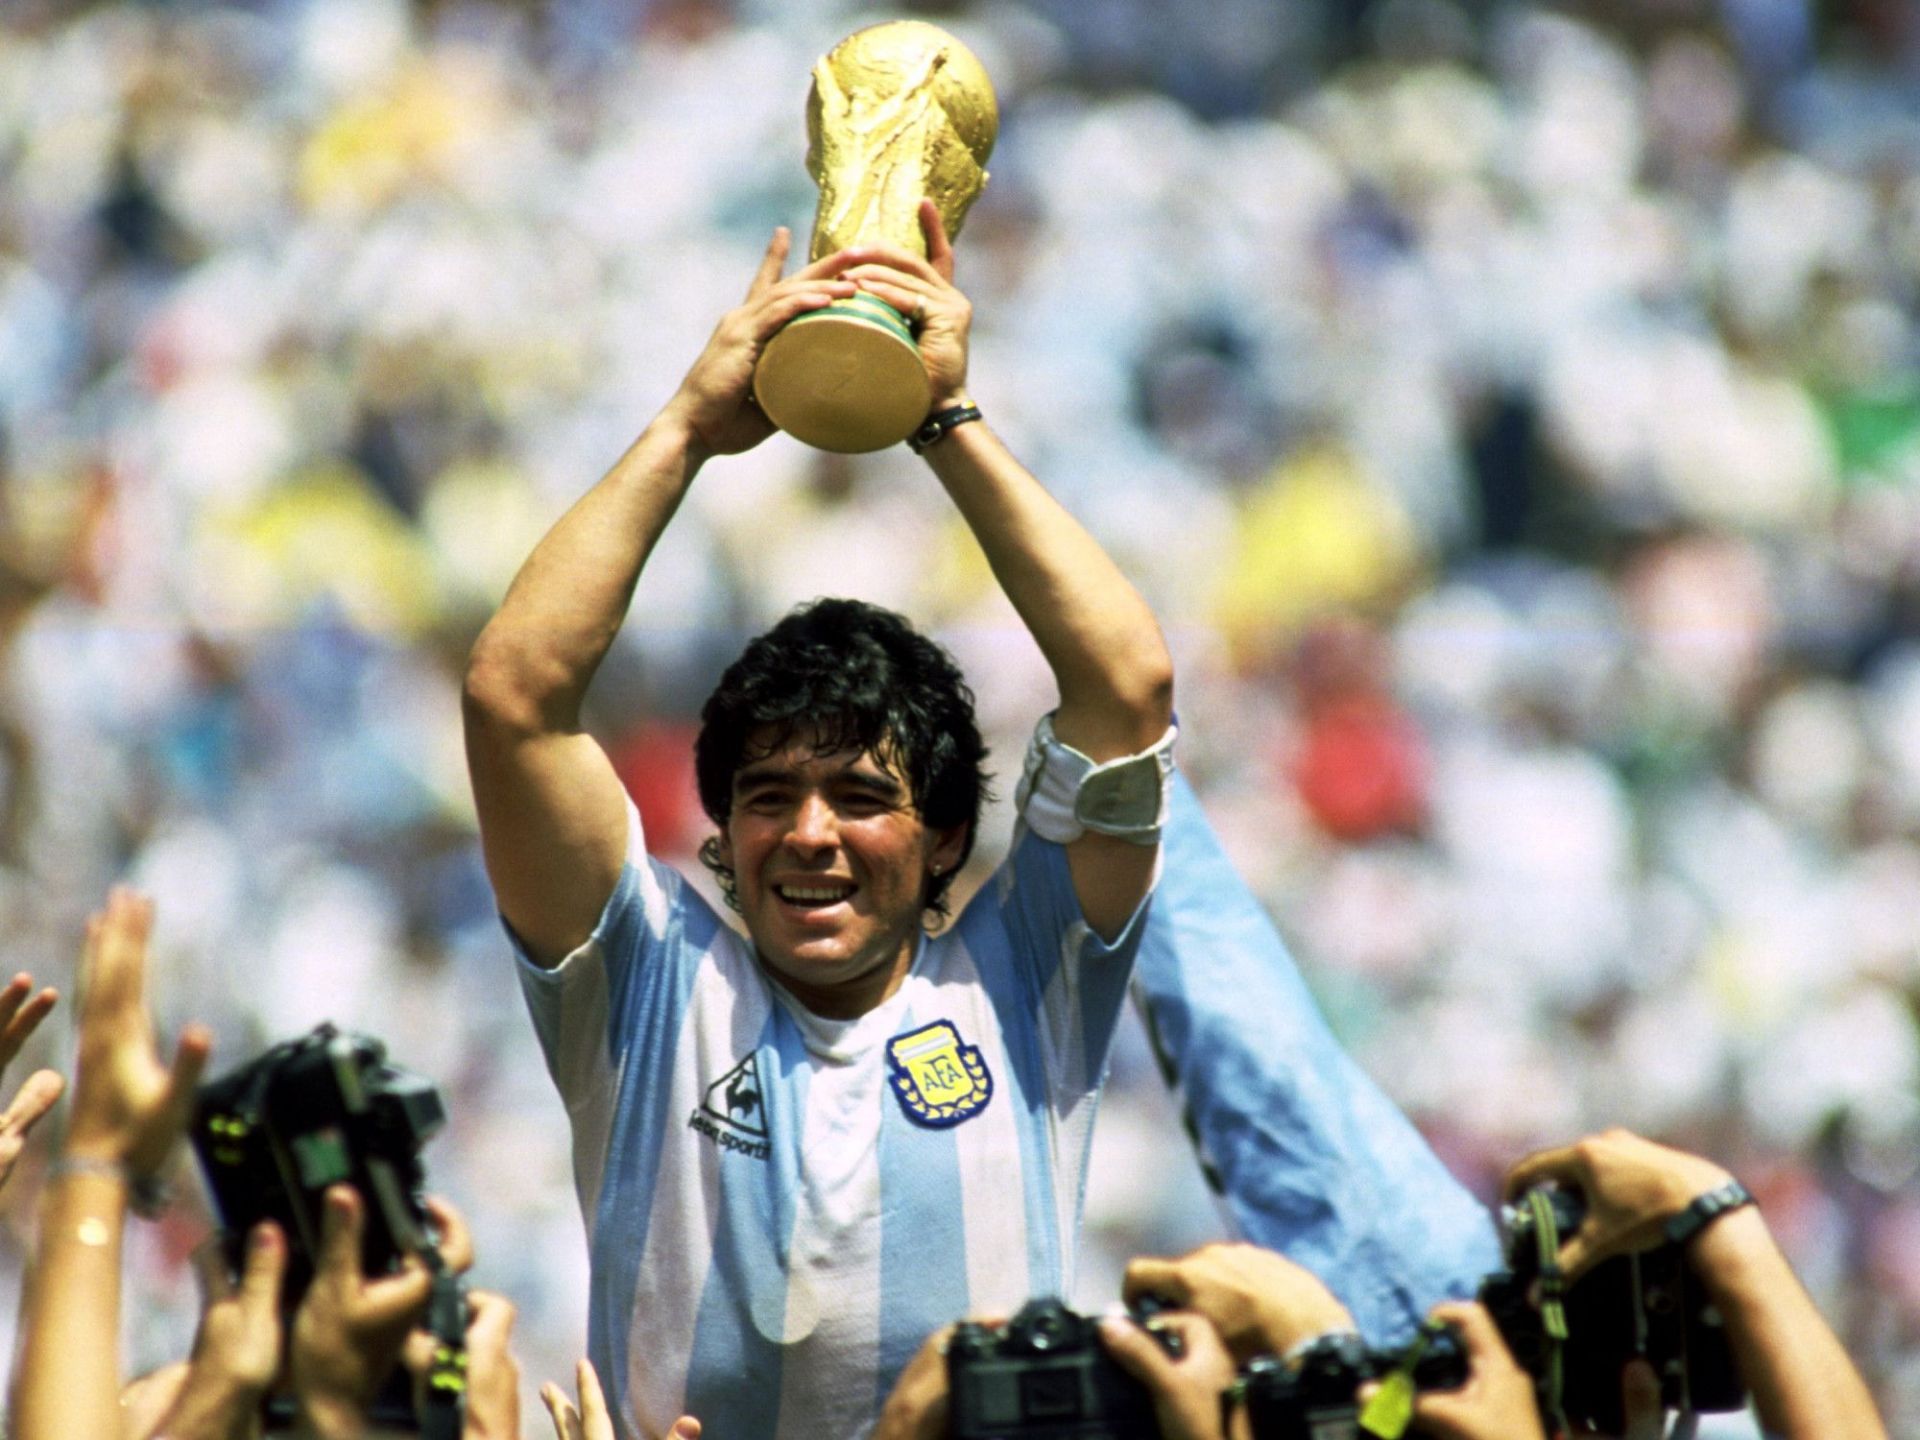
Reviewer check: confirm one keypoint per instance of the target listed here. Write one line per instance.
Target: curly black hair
(851, 676)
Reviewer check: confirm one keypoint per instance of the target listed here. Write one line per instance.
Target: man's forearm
(1802, 1381)
(68, 1384)
(1093, 627)
(533, 662)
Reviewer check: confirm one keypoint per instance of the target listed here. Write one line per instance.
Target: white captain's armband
(1063, 794)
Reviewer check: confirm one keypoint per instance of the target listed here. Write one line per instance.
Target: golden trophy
(897, 112)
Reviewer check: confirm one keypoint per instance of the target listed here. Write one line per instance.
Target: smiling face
(831, 861)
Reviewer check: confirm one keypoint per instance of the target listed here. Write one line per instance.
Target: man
(800, 1152)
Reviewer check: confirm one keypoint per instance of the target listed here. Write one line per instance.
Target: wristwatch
(935, 427)
(1706, 1209)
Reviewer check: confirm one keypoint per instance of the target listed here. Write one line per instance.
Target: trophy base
(846, 378)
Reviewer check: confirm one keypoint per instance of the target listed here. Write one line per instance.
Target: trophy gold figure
(897, 112)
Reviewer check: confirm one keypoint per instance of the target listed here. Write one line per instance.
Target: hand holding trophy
(897, 112)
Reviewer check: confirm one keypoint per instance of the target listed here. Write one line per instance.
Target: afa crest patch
(940, 1079)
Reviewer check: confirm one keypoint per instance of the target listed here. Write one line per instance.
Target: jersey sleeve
(1308, 1154)
(1061, 973)
(624, 988)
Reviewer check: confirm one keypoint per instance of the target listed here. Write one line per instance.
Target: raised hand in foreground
(591, 1420)
(916, 1408)
(129, 1110)
(1632, 1188)
(20, 1016)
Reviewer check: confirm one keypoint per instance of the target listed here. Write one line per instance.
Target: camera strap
(443, 1405)
(1553, 1310)
(1389, 1411)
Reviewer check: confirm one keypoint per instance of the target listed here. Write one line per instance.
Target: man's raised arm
(552, 816)
(1097, 634)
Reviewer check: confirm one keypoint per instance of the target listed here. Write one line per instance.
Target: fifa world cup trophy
(897, 112)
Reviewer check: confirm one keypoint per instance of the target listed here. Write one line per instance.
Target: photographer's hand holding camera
(129, 1110)
(1186, 1379)
(492, 1372)
(917, 1407)
(1260, 1302)
(1187, 1382)
(1496, 1403)
(1632, 1186)
(237, 1351)
(1639, 1194)
(351, 1328)
(1643, 1413)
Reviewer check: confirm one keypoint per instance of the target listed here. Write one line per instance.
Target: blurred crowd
(1512, 411)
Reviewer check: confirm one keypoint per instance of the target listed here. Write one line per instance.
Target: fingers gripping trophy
(897, 112)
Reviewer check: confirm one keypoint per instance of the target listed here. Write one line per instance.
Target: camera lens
(1046, 1332)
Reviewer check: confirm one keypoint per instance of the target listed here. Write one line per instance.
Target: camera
(1314, 1398)
(1046, 1376)
(1650, 1305)
(327, 1109)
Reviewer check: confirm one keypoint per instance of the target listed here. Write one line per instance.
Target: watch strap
(935, 427)
(1706, 1209)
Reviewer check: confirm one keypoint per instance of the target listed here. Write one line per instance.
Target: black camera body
(1046, 1376)
(1650, 1305)
(325, 1109)
(1315, 1398)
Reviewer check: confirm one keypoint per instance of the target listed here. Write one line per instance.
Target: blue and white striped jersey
(780, 1207)
(1308, 1154)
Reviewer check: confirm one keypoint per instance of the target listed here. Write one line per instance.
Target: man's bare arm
(552, 816)
(1099, 638)
(130, 1109)
(1803, 1382)
(1095, 630)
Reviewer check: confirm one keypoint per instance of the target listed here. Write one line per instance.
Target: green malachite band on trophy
(861, 307)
